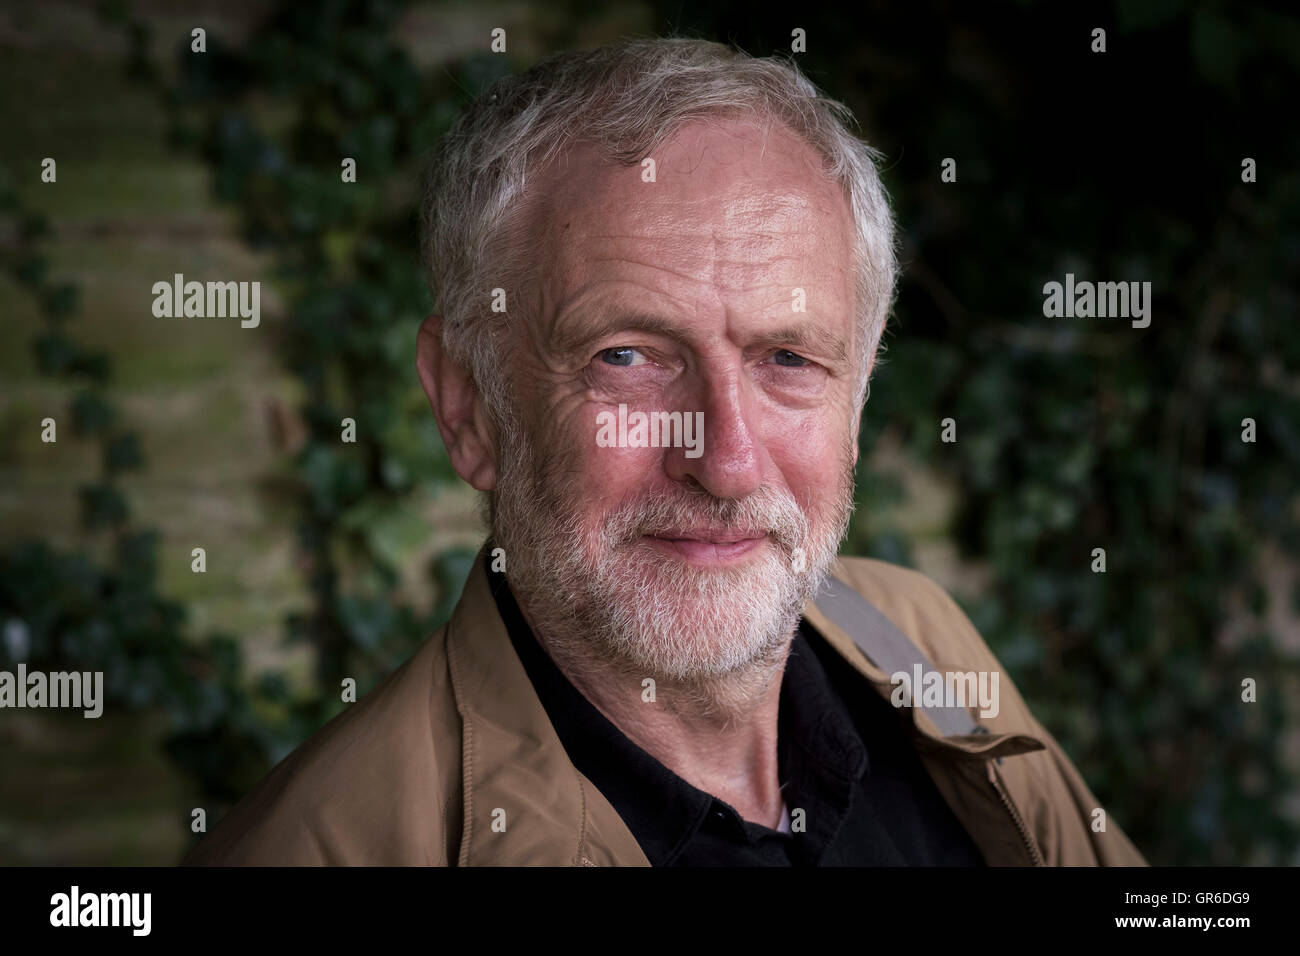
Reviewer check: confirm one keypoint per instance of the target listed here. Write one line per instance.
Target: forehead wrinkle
(736, 209)
(657, 265)
(724, 266)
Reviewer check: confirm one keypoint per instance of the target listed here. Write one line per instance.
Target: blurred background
(327, 560)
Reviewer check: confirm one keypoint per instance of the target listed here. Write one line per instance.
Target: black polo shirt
(843, 757)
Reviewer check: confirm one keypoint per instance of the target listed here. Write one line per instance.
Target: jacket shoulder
(920, 608)
(1060, 807)
(368, 788)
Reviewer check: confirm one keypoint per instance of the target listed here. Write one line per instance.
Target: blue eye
(623, 355)
(784, 354)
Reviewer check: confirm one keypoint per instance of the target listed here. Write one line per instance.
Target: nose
(728, 464)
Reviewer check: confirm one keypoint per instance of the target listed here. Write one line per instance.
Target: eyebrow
(804, 337)
(571, 335)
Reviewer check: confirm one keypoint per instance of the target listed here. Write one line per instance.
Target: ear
(457, 407)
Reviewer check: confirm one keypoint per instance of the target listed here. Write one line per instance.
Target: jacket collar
(512, 759)
(516, 774)
(977, 746)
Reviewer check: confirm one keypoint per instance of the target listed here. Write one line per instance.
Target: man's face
(724, 287)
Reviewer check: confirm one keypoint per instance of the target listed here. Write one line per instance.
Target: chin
(682, 621)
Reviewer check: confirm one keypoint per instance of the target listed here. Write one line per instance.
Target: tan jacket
(412, 773)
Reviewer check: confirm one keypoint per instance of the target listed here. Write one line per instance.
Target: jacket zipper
(1030, 846)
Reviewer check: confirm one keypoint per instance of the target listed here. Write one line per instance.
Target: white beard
(605, 592)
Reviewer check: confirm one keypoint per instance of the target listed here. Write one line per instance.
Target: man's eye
(622, 356)
(789, 359)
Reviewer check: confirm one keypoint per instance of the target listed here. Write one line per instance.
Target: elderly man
(662, 270)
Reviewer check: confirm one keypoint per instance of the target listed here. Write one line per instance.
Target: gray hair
(626, 99)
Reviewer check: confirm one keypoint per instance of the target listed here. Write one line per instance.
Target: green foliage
(67, 610)
(274, 121)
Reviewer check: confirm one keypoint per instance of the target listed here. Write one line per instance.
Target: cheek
(618, 473)
(601, 477)
(811, 459)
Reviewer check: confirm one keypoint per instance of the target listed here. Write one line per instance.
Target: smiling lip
(708, 547)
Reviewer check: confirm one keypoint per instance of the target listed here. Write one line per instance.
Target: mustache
(765, 512)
